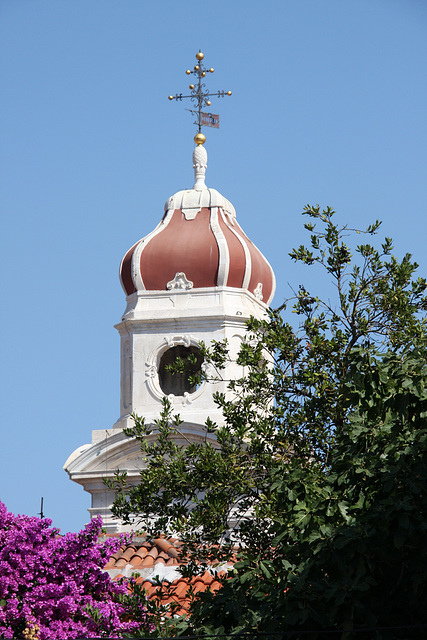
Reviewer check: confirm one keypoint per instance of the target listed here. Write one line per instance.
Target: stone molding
(180, 281)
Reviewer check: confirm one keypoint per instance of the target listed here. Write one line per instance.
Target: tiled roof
(178, 593)
(157, 562)
(142, 555)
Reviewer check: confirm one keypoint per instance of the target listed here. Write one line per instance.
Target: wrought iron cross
(200, 95)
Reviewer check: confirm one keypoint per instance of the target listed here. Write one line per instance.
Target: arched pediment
(119, 452)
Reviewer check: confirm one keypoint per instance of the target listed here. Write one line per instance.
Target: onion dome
(197, 244)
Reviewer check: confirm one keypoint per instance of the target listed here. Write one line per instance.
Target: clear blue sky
(329, 106)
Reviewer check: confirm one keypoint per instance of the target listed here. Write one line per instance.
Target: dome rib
(224, 256)
(238, 254)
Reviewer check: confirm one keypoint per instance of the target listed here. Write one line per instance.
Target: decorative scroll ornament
(180, 281)
(172, 341)
(150, 370)
(258, 291)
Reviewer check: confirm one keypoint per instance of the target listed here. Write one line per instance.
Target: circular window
(178, 366)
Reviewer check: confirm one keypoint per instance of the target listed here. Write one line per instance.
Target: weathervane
(200, 96)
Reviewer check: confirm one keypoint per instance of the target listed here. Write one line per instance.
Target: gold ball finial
(188, 72)
(211, 70)
(191, 86)
(170, 97)
(229, 93)
(199, 138)
(196, 68)
(208, 102)
(200, 55)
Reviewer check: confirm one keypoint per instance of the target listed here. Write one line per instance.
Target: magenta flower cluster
(53, 586)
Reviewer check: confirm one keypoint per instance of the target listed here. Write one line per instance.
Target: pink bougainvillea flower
(57, 583)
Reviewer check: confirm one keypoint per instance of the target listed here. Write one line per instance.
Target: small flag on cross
(210, 119)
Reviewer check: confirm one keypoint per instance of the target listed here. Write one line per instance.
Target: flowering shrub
(53, 586)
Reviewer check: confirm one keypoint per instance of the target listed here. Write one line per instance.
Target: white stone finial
(200, 163)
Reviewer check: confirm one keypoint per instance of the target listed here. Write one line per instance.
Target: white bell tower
(196, 277)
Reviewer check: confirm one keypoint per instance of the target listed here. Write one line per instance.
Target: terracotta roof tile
(135, 561)
(148, 561)
(181, 588)
(128, 553)
(163, 544)
(154, 552)
(141, 552)
(199, 585)
(172, 562)
(215, 586)
(120, 563)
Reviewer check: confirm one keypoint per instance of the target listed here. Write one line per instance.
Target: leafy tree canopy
(318, 474)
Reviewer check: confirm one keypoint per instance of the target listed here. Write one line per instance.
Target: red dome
(197, 244)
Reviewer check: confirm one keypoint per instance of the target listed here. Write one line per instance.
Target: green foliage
(317, 473)
(350, 546)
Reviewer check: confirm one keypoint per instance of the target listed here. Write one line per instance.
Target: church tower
(196, 277)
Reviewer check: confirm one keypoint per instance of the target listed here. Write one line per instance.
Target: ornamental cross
(200, 96)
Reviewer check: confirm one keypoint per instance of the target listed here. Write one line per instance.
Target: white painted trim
(273, 288)
(248, 260)
(224, 255)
